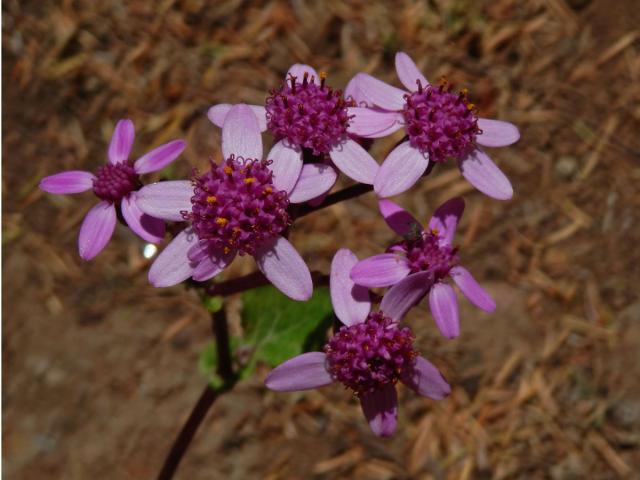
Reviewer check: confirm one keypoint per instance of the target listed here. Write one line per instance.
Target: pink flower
(305, 113)
(422, 263)
(368, 355)
(439, 123)
(115, 184)
(237, 207)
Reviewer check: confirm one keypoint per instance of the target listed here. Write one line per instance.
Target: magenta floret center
(370, 355)
(308, 115)
(235, 206)
(114, 182)
(440, 123)
(428, 253)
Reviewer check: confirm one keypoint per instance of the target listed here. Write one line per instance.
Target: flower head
(440, 124)
(368, 355)
(237, 207)
(116, 185)
(305, 113)
(422, 263)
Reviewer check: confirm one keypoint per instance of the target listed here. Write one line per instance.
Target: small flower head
(115, 184)
(426, 251)
(368, 356)
(239, 206)
(423, 263)
(235, 206)
(439, 122)
(308, 114)
(115, 181)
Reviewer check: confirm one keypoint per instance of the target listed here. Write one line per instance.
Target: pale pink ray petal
(303, 372)
(402, 168)
(173, 265)
(159, 157)
(315, 180)
(145, 226)
(381, 94)
(496, 133)
(400, 221)
(286, 165)
(121, 141)
(400, 298)
(380, 408)
(352, 92)
(371, 123)
(445, 219)
(426, 380)
(444, 307)
(241, 134)
(351, 302)
(298, 70)
(166, 200)
(482, 173)
(354, 161)
(218, 113)
(73, 181)
(285, 269)
(380, 270)
(408, 73)
(211, 265)
(472, 289)
(96, 230)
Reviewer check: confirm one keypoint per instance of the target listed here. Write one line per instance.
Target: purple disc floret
(367, 356)
(115, 181)
(439, 122)
(427, 252)
(235, 206)
(308, 114)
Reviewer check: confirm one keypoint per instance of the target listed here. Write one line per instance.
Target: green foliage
(212, 304)
(278, 328)
(208, 365)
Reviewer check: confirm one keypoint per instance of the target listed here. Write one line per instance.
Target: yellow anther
(268, 190)
(211, 199)
(323, 75)
(249, 180)
(470, 106)
(434, 231)
(226, 250)
(221, 221)
(228, 170)
(465, 91)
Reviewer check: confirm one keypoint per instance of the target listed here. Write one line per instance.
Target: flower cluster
(244, 204)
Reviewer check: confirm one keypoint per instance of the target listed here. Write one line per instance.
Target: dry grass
(100, 369)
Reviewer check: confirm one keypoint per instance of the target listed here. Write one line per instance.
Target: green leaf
(208, 365)
(213, 304)
(279, 328)
(208, 361)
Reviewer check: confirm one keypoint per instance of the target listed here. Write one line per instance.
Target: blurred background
(100, 369)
